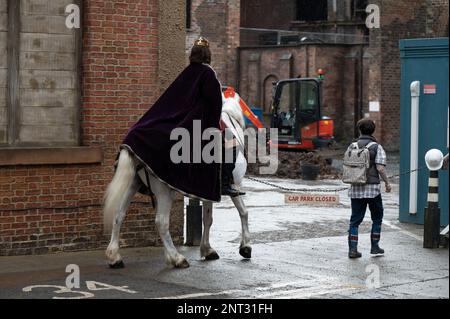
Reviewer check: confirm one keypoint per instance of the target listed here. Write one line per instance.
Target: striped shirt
(369, 190)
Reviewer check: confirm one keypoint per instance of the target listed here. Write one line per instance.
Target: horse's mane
(233, 109)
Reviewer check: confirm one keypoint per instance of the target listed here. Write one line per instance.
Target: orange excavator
(297, 114)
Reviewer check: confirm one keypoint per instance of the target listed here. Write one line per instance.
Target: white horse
(127, 179)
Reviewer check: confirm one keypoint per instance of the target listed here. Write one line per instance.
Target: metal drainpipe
(414, 156)
(358, 108)
(238, 70)
(361, 80)
(356, 100)
(306, 61)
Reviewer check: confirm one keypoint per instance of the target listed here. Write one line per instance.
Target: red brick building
(296, 38)
(83, 88)
(362, 65)
(399, 20)
(219, 22)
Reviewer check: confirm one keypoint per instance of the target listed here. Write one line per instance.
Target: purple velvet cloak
(194, 95)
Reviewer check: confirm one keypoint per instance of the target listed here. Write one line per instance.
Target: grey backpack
(356, 164)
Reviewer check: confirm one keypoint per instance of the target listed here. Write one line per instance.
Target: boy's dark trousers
(359, 206)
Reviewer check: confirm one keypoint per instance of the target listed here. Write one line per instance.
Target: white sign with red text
(429, 89)
(312, 199)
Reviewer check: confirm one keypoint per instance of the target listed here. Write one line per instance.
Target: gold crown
(202, 42)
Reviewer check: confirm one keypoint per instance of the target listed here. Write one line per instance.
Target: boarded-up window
(46, 111)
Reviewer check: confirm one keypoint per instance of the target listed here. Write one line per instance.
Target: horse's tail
(121, 182)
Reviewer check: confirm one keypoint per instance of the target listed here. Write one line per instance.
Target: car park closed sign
(312, 199)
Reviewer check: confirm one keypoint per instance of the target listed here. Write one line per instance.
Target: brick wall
(219, 22)
(262, 66)
(381, 75)
(268, 14)
(437, 18)
(120, 81)
(399, 20)
(283, 15)
(3, 70)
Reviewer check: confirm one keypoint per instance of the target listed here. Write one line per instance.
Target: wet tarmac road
(298, 252)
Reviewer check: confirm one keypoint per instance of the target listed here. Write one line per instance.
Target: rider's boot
(227, 177)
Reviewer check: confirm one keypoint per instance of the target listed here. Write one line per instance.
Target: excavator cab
(297, 114)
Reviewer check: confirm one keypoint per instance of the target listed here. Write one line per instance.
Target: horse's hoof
(212, 256)
(183, 264)
(246, 252)
(117, 265)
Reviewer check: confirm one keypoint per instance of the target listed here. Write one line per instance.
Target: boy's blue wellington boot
(375, 240)
(353, 243)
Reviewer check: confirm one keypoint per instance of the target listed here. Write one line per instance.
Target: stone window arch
(267, 92)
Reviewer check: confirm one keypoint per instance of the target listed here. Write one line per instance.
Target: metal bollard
(194, 223)
(432, 222)
(445, 232)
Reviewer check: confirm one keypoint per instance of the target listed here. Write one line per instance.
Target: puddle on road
(296, 230)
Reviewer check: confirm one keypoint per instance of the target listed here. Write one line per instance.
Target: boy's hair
(200, 54)
(366, 126)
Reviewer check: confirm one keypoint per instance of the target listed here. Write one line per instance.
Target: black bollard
(432, 223)
(194, 223)
(444, 238)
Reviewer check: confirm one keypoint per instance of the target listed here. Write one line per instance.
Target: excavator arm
(230, 92)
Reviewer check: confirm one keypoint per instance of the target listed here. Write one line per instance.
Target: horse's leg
(205, 247)
(112, 252)
(245, 249)
(164, 198)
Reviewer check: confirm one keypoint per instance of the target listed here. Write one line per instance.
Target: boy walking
(368, 194)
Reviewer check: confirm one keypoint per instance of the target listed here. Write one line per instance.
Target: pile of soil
(289, 166)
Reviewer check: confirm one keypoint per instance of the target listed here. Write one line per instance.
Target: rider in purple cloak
(195, 95)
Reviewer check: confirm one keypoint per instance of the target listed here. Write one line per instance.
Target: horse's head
(231, 106)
